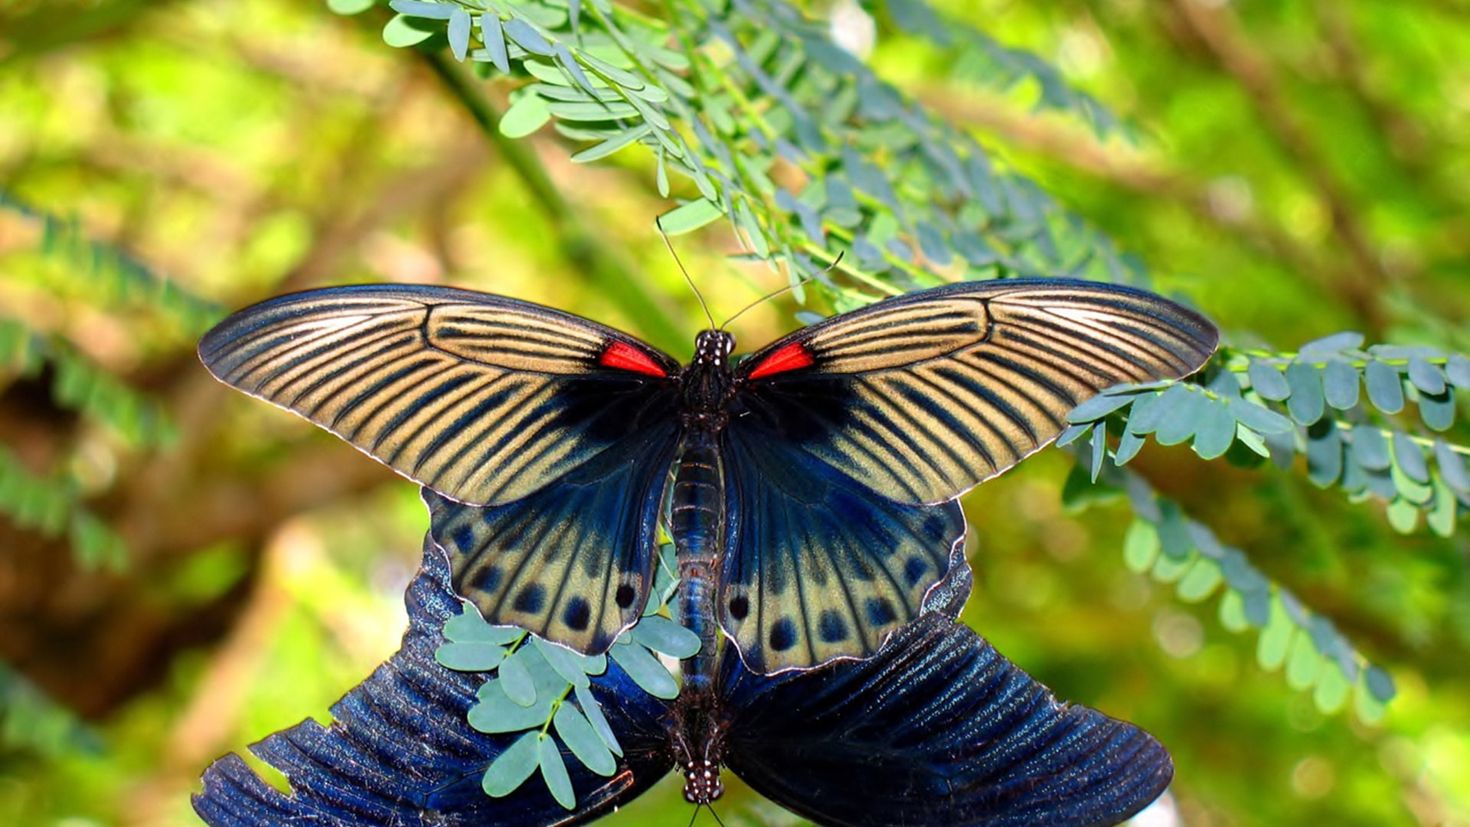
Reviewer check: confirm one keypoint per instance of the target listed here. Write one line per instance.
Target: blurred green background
(1296, 168)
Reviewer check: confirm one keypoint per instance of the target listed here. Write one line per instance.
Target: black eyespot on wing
(831, 627)
(739, 607)
(625, 596)
(783, 634)
(577, 614)
(880, 611)
(530, 598)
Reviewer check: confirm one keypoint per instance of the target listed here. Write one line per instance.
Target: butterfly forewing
(480, 398)
(936, 729)
(924, 396)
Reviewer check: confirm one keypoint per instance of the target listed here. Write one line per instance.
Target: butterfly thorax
(706, 381)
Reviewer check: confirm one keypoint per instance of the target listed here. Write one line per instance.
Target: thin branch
(605, 267)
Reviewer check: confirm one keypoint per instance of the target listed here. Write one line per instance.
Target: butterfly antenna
(658, 222)
(774, 293)
(712, 812)
(694, 815)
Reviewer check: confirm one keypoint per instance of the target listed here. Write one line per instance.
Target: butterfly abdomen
(696, 522)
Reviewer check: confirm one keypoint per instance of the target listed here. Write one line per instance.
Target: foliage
(541, 688)
(244, 152)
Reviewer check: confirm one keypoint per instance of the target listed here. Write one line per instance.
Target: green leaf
(400, 32)
(1260, 419)
(1275, 639)
(428, 11)
(1385, 390)
(1340, 385)
(1444, 509)
(1232, 612)
(579, 736)
(511, 768)
(663, 635)
(1099, 450)
(1174, 531)
(527, 37)
(1426, 376)
(349, 7)
(1181, 413)
(1370, 448)
(1098, 407)
(689, 217)
(1200, 581)
(470, 657)
(1379, 684)
(1304, 663)
(1129, 444)
(1306, 403)
(1457, 368)
(593, 711)
(1332, 690)
(494, 712)
(1215, 431)
(599, 151)
(646, 671)
(1334, 343)
(459, 34)
(1451, 466)
(1410, 457)
(554, 773)
(1403, 515)
(469, 627)
(515, 678)
(1324, 453)
(568, 665)
(1268, 381)
(1140, 546)
(526, 114)
(1437, 410)
(494, 37)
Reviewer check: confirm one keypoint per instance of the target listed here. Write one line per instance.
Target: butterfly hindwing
(817, 567)
(573, 561)
(482, 398)
(924, 396)
(936, 729)
(400, 752)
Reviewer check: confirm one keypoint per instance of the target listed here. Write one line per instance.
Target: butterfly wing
(399, 750)
(572, 561)
(481, 398)
(937, 729)
(564, 429)
(816, 567)
(926, 395)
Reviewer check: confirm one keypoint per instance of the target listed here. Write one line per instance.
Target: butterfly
(936, 728)
(813, 483)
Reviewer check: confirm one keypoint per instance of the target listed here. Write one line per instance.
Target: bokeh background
(200, 569)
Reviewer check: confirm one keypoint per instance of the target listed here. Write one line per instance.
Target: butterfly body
(814, 482)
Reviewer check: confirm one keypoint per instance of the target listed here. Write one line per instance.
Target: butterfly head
(713, 347)
(702, 781)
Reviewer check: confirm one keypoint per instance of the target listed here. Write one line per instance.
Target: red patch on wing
(788, 357)
(624, 356)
